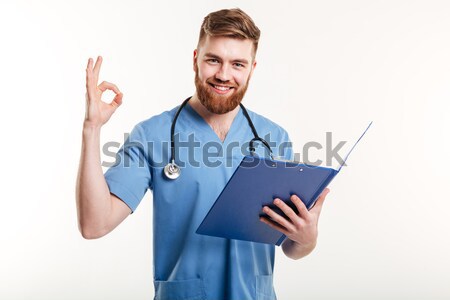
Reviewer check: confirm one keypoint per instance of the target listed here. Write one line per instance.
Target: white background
(322, 66)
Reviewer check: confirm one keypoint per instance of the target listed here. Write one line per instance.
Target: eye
(239, 65)
(212, 61)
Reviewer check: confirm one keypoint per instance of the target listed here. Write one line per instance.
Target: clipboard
(254, 184)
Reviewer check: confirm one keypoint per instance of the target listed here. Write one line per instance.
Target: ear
(253, 68)
(194, 60)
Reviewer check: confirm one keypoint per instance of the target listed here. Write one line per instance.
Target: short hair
(232, 23)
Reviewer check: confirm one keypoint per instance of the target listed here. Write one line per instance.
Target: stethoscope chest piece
(172, 170)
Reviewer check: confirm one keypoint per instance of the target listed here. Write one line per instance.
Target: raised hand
(98, 112)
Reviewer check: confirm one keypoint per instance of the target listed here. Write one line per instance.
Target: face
(223, 67)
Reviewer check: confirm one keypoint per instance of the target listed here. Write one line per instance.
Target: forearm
(92, 193)
(295, 250)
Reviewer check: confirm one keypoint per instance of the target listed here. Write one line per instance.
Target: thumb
(319, 203)
(117, 101)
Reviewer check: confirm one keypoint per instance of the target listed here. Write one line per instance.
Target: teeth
(222, 88)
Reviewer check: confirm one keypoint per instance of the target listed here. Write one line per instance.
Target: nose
(223, 74)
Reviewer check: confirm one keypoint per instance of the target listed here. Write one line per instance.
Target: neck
(220, 123)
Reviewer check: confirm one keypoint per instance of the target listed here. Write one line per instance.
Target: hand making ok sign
(98, 112)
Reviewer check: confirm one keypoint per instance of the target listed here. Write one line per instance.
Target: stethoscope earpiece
(173, 171)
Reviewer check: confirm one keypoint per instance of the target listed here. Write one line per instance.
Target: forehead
(226, 47)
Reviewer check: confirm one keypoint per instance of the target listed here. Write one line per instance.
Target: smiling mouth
(221, 88)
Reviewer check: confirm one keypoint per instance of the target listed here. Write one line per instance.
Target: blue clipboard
(255, 183)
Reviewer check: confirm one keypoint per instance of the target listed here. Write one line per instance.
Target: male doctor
(188, 265)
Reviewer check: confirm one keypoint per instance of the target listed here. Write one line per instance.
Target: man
(188, 265)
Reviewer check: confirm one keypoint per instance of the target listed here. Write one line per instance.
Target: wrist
(296, 250)
(306, 246)
(90, 128)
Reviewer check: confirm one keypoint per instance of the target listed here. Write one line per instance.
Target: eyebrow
(240, 60)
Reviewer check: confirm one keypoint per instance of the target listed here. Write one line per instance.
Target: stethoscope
(173, 171)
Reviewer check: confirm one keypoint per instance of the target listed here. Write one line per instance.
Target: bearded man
(188, 265)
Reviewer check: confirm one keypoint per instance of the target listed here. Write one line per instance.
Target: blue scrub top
(188, 265)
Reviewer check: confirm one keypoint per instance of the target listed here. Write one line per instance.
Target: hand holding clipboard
(255, 183)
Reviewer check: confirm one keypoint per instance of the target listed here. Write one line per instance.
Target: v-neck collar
(196, 120)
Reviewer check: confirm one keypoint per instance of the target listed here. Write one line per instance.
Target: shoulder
(264, 126)
(157, 125)
(155, 128)
(163, 119)
(274, 134)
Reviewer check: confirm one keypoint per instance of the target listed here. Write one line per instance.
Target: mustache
(222, 83)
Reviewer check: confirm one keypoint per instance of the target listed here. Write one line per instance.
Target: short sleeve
(289, 154)
(285, 147)
(130, 177)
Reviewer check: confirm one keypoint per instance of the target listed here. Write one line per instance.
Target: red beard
(215, 103)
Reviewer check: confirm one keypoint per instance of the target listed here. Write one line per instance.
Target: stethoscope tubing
(172, 170)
